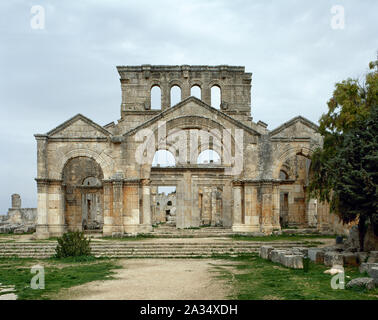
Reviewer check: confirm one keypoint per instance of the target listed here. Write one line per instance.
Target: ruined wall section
(137, 82)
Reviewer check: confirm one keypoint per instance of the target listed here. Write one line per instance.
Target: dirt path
(164, 279)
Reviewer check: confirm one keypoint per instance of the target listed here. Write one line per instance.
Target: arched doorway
(83, 201)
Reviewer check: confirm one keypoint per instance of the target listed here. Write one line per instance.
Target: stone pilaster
(42, 228)
(237, 207)
(146, 205)
(117, 206)
(56, 209)
(108, 208)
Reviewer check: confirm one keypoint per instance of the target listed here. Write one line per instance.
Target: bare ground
(164, 279)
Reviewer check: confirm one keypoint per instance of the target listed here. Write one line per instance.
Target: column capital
(145, 182)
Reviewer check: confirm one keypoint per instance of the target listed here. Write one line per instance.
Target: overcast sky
(49, 75)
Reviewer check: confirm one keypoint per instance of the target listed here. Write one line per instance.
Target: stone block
(350, 259)
(374, 274)
(331, 258)
(367, 283)
(362, 256)
(275, 255)
(367, 266)
(316, 255)
(265, 251)
(300, 250)
(292, 261)
(373, 257)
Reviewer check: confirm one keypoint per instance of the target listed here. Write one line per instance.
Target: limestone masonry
(93, 177)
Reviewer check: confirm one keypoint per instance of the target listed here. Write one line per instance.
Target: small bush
(73, 244)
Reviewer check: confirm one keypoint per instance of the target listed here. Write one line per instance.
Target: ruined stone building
(103, 177)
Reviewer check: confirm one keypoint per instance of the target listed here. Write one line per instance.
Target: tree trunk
(361, 231)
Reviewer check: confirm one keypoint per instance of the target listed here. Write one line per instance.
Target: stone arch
(215, 90)
(195, 93)
(171, 91)
(158, 105)
(186, 123)
(106, 163)
(211, 152)
(167, 153)
(288, 153)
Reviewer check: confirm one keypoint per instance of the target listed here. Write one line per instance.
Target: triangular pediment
(78, 127)
(297, 127)
(190, 107)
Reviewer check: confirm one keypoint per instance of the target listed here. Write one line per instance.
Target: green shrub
(73, 244)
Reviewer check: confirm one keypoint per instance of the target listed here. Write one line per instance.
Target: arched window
(163, 158)
(155, 98)
(175, 95)
(195, 91)
(216, 97)
(91, 182)
(208, 156)
(283, 175)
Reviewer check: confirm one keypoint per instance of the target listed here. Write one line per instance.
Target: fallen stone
(374, 274)
(350, 259)
(275, 255)
(331, 258)
(300, 250)
(367, 266)
(265, 251)
(373, 257)
(316, 255)
(335, 269)
(292, 261)
(362, 256)
(367, 283)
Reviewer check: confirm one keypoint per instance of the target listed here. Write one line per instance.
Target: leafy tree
(344, 171)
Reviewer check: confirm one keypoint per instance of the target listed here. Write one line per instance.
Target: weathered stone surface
(331, 258)
(350, 259)
(373, 257)
(300, 250)
(316, 255)
(367, 266)
(367, 283)
(374, 274)
(275, 255)
(292, 261)
(265, 251)
(362, 256)
(243, 195)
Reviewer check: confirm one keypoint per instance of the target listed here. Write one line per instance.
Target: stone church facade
(93, 177)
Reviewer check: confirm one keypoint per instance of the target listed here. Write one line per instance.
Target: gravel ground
(165, 279)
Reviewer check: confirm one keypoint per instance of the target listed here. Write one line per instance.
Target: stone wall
(18, 219)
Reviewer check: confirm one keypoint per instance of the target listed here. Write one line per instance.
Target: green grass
(254, 278)
(59, 274)
(282, 237)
